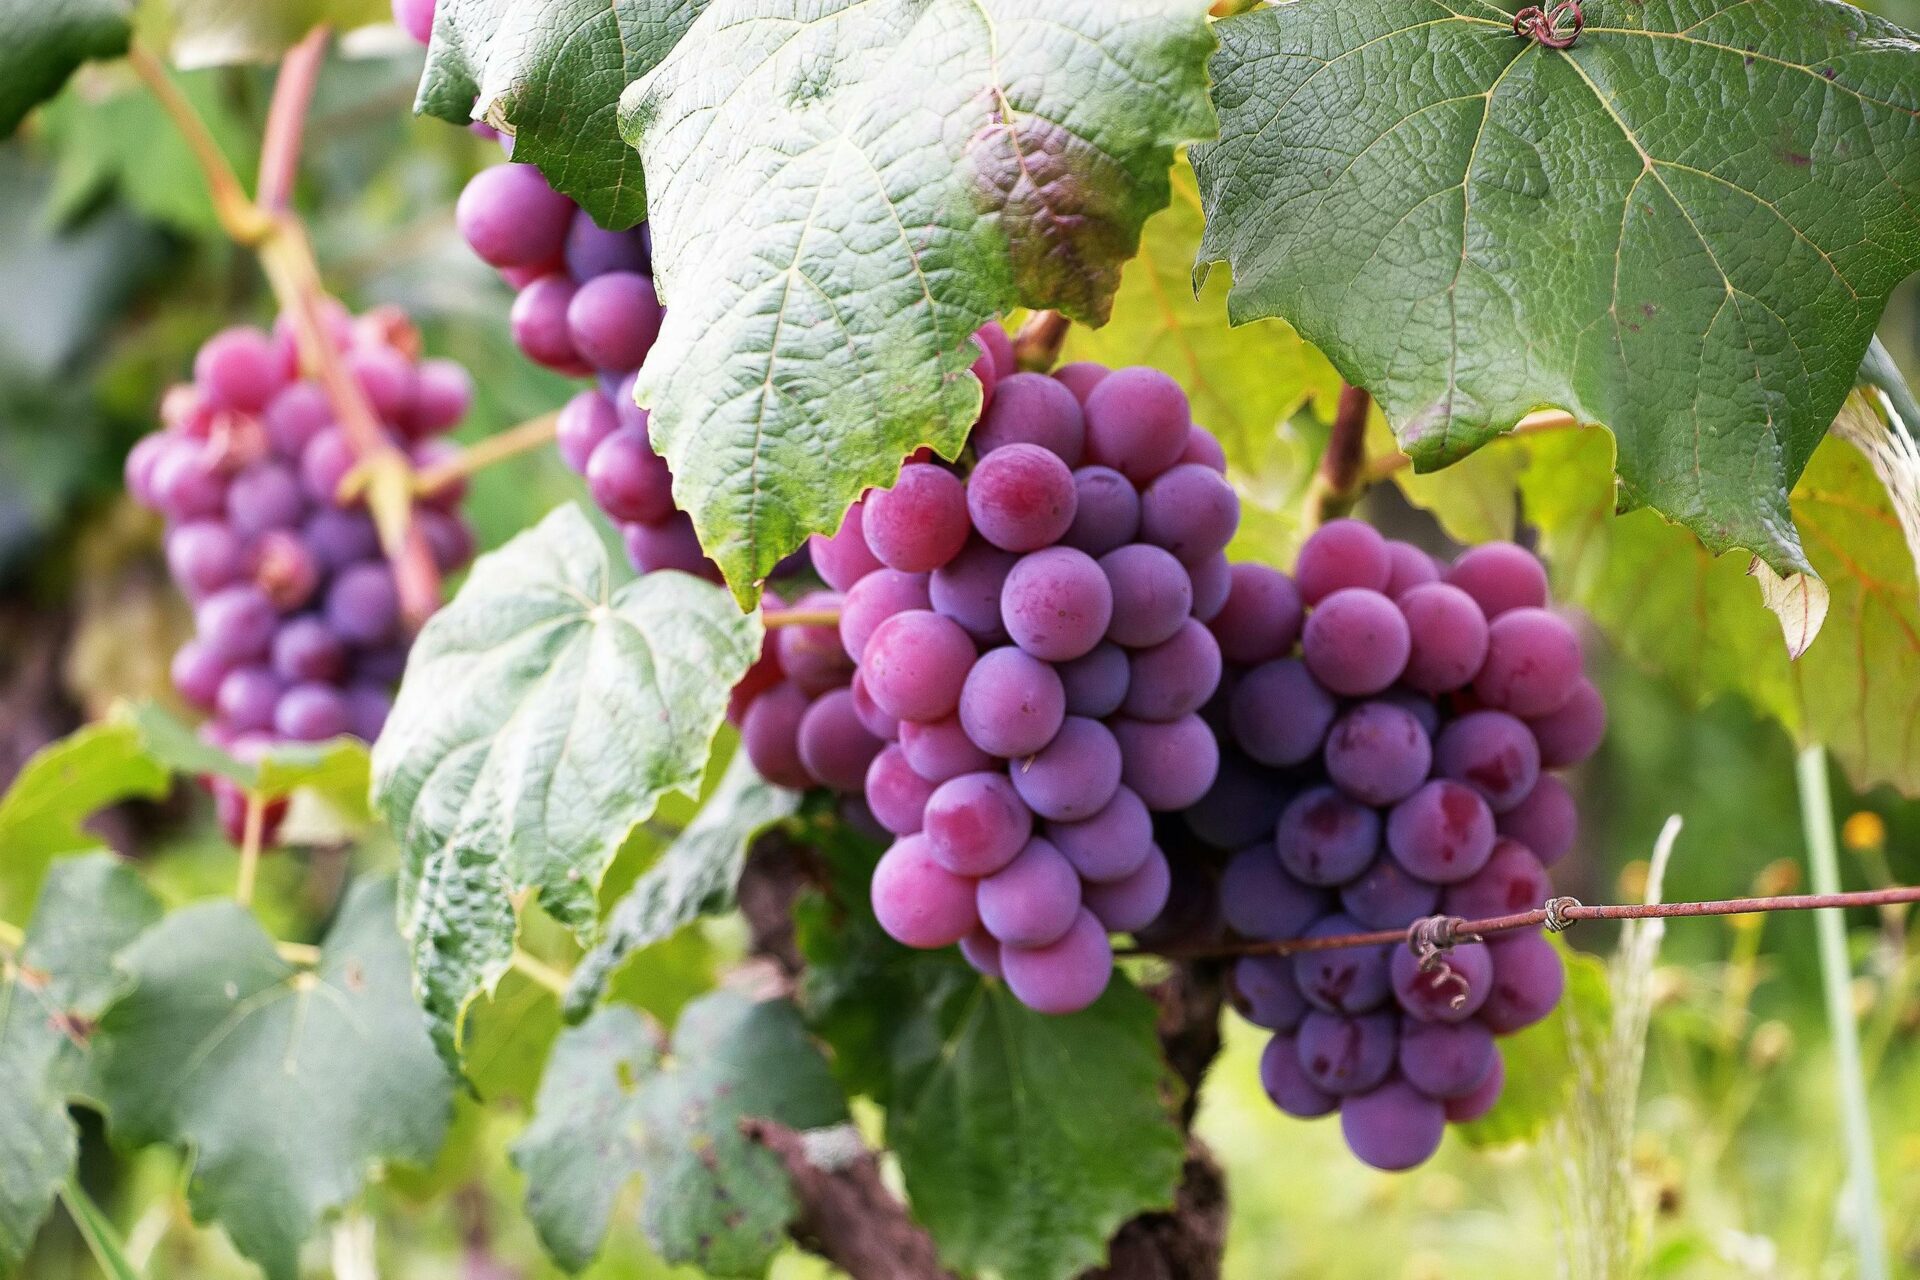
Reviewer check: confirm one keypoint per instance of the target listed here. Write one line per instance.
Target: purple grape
(982, 951)
(1385, 896)
(1452, 991)
(919, 902)
(1112, 844)
(1350, 980)
(1056, 604)
(1262, 902)
(1355, 642)
(236, 624)
(1326, 838)
(628, 480)
(1152, 594)
(305, 650)
(967, 589)
(586, 420)
(1080, 378)
(339, 538)
(1447, 638)
(1341, 555)
(1408, 567)
(1491, 752)
(1064, 976)
(1074, 776)
(204, 556)
(1125, 906)
(1012, 703)
(1241, 806)
(1191, 510)
(197, 672)
(1264, 993)
(669, 545)
(1446, 1060)
(1262, 616)
(240, 369)
(812, 656)
(875, 720)
(770, 734)
(834, 746)
(1568, 736)
(1393, 1127)
(1500, 576)
(142, 462)
(1528, 980)
(592, 252)
(1137, 423)
(443, 392)
(387, 380)
(844, 559)
(1480, 1101)
(1174, 678)
(187, 483)
(449, 538)
(1204, 449)
(1021, 498)
(1096, 682)
(1212, 582)
(539, 323)
(921, 522)
(367, 711)
(311, 712)
(1031, 408)
(362, 605)
(1378, 753)
(1287, 1084)
(1279, 715)
(247, 698)
(873, 600)
(1547, 821)
(1442, 833)
(1106, 511)
(941, 751)
(1347, 1055)
(976, 824)
(896, 794)
(295, 417)
(512, 218)
(1513, 880)
(1169, 765)
(1533, 663)
(383, 665)
(915, 665)
(324, 465)
(1033, 900)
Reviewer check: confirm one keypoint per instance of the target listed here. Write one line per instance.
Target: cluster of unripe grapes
(1017, 672)
(1388, 722)
(298, 633)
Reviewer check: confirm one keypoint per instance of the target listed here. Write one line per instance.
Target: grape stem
(1342, 476)
(270, 228)
(252, 836)
(1036, 348)
(800, 618)
(540, 972)
(511, 443)
(299, 954)
(1558, 914)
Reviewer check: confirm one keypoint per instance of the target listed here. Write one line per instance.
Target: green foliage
(218, 33)
(42, 41)
(336, 769)
(59, 788)
(49, 994)
(550, 72)
(696, 876)
(1684, 227)
(289, 1084)
(543, 714)
(616, 1102)
(841, 193)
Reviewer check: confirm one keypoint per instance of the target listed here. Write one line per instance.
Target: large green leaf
(696, 876)
(42, 41)
(289, 1085)
(59, 788)
(49, 994)
(616, 1103)
(1684, 227)
(543, 714)
(550, 72)
(842, 191)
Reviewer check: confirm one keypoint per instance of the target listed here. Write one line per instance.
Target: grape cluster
(298, 632)
(1390, 721)
(1018, 669)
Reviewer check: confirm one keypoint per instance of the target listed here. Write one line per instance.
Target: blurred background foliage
(112, 271)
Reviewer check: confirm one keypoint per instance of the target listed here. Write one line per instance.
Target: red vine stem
(287, 119)
(1036, 347)
(1557, 914)
(1342, 476)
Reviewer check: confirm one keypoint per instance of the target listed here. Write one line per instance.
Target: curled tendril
(1536, 22)
(1430, 939)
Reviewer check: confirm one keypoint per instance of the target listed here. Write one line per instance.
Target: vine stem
(1342, 476)
(252, 835)
(302, 955)
(539, 971)
(801, 618)
(1036, 348)
(286, 120)
(1836, 975)
(1560, 912)
(511, 443)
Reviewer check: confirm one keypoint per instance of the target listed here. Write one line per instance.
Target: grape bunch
(1390, 722)
(298, 634)
(1018, 669)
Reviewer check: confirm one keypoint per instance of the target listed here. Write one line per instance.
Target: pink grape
(1056, 604)
(1106, 513)
(874, 599)
(915, 665)
(1447, 638)
(835, 747)
(1355, 642)
(1262, 617)
(512, 218)
(1064, 976)
(1500, 576)
(1452, 991)
(1408, 567)
(896, 794)
(1326, 838)
(919, 902)
(976, 824)
(1031, 408)
(1074, 776)
(1491, 752)
(770, 732)
(1533, 662)
(1442, 833)
(1137, 422)
(1378, 753)
(1571, 734)
(1012, 704)
(942, 750)
(920, 523)
(1343, 1055)
(1513, 880)
(845, 558)
(1547, 821)
(1111, 844)
(968, 589)
(1021, 498)
(1151, 593)
(1190, 510)
(1033, 900)
(1341, 555)
(1126, 906)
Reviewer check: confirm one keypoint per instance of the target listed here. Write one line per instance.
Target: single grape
(1174, 678)
(449, 538)
(1500, 576)
(143, 461)
(311, 712)
(324, 465)
(919, 902)
(1279, 715)
(874, 599)
(1451, 991)
(197, 671)
(1355, 642)
(1408, 567)
(1387, 896)
(1262, 616)
(1169, 765)
(1528, 980)
(1513, 880)
(915, 665)
(896, 794)
(628, 480)
(538, 319)
(512, 218)
(1151, 591)
(1125, 906)
(1447, 637)
(1533, 662)
(1137, 422)
(443, 392)
(340, 538)
(1547, 821)
(296, 416)
(613, 320)
(1286, 1082)
(1241, 806)
(920, 523)
(980, 948)
(1064, 976)
(1491, 752)
(993, 340)
(1080, 378)
(1480, 1101)
(1326, 838)
(873, 716)
(383, 665)
(845, 558)
(1568, 736)
(386, 379)
(415, 17)
(976, 824)
(1021, 498)
(942, 750)
(240, 369)
(187, 482)
(1350, 980)
(1442, 833)
(1033, 900)
(770, 733)
(1263, 991)
(1204, 449)
(1110, 845)
(1262, 902)
(1031, 408)
(1340, 555)
(1190, 510)
(1096, 682)
(835, 747)
(305, 649)
(1072, 777)
(968, 588)
(592, 252)
(1393, 1127)
(1378, 753)
(584, 422)
(264, 496)
(247, 698)
(1347, 1055)
(363, 605)
(670, 545)
(1106, 512)
(204, 556)
(1056, 604)
(236, 623)
(1012, 703)
(1446, 1060)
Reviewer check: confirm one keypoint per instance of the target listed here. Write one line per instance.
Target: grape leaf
(1684, 227)
(42, 41)
(60, 787)
(543, 714)
(696, 876)
(614, 1103)
(218, 33)
(550, 72)
(336, 769)
(841, 192)
(289, 1085)
(87, 911)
